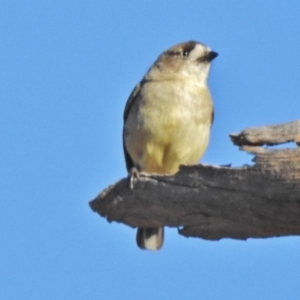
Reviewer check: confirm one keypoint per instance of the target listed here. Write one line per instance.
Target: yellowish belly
(164, 152)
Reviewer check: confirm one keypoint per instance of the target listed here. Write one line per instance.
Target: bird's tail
(150, 238)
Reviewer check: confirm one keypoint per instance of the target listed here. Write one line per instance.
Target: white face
(189, 60)
(196, 63)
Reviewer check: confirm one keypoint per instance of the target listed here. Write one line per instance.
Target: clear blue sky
(66, 70)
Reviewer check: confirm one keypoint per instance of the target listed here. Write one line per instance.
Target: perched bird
(168, 117)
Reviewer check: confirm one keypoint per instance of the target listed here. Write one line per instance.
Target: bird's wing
(132, 98)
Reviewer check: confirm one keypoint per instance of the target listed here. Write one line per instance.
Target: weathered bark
(215, 202)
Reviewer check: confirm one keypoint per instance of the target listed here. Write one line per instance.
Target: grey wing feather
(130, 101)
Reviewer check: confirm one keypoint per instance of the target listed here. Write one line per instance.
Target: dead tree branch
(214, 202)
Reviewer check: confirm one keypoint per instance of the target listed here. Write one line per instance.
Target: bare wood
(268, 135)
(214, 202)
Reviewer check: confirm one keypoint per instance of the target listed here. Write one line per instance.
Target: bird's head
(190, 60)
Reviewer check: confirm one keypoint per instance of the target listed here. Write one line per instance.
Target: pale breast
(168, 125)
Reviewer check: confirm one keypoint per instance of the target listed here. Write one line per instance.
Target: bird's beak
(208, 57)
(211, 55)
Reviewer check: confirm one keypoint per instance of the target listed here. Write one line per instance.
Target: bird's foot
(134, 176)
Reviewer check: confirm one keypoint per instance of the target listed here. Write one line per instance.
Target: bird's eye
(185, 53)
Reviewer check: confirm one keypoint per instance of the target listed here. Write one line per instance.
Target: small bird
(167, 118)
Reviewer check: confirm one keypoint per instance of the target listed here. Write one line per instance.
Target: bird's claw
(134, 176)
